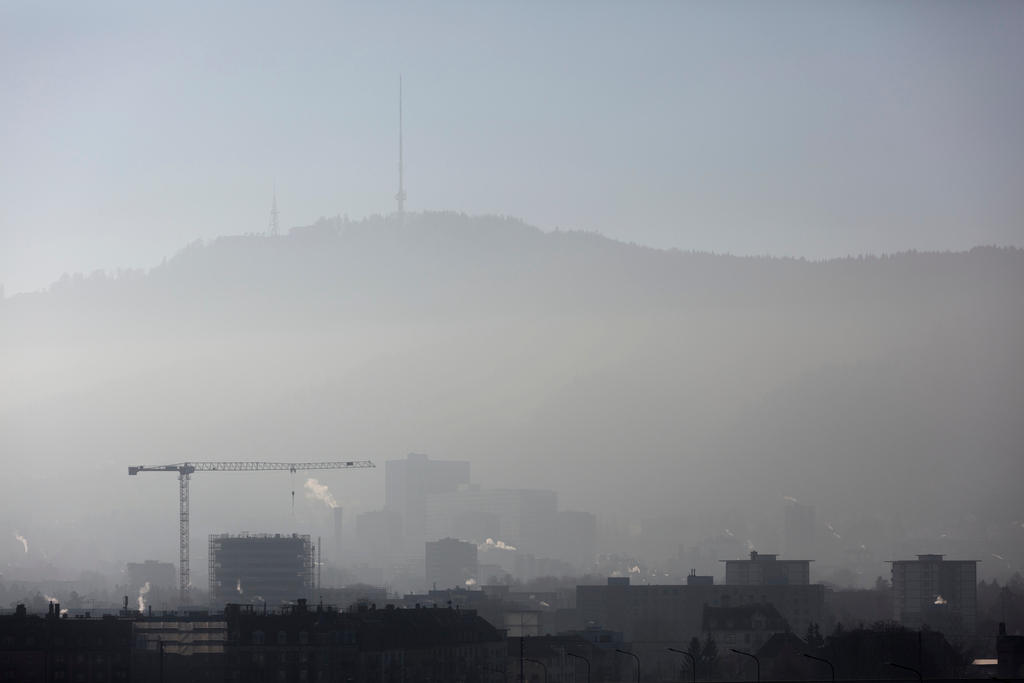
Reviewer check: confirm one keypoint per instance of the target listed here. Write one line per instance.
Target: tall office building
(524, 518)
(938, 593)
(407, 483)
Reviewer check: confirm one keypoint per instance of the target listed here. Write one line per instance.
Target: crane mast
(186, 469)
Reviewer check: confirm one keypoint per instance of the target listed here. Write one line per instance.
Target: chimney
(336, 539)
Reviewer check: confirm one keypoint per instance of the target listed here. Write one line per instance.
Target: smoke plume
(142, 592)
(317, 491)
(24, 541)
(497, 545)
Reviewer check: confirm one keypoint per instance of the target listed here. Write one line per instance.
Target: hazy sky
(797, 128)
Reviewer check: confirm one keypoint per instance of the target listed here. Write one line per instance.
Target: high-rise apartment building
(935, 592)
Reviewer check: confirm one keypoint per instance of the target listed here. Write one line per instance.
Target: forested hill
(456, 266)
(634, 381)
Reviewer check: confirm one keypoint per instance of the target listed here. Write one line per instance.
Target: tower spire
(400, 196)
(274, 213)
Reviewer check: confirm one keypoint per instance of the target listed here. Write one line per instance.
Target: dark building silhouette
(767, 570)
(675, 612)
(364, 644)
(260, 568)
(185, 646)
(450, 563)
(746, 627)
(1010, 654)
(51, 648)
(938, 593)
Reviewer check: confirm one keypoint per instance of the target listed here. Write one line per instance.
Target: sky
(787, 128)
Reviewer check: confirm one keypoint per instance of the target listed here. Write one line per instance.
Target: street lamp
(542, 665)
(756, 661)
(585, 660)
(693, 662)
(623, 652)
(907, 668)
(819, 659)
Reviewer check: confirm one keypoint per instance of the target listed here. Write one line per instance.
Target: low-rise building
(767, 570)
(675, 612)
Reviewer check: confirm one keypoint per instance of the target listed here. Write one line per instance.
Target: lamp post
(542, 665)
(624, 652)
(907, 668)
(757, 662)
(819, 659)
(585, 661)
(693, 662)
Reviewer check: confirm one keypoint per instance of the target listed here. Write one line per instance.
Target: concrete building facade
(408, 483)
(767, 570)
(675, 612)
(260, 568)
(935, 592)
(450, 563)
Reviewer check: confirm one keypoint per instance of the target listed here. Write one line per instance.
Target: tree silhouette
(814, 638)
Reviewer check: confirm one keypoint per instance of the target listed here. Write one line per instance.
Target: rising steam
(490, 543)
(24, 541)
(317, 491)
(142, 592)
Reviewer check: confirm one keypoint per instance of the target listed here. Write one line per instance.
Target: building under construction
(260, 568)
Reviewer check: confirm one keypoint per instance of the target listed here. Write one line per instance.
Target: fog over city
(728, 277)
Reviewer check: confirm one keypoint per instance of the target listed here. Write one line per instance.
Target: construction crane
(187, 469)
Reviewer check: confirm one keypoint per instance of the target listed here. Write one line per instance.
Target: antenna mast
(400, 196)
(273, 213)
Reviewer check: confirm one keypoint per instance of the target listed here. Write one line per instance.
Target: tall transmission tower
(400, 196)
(274, 213)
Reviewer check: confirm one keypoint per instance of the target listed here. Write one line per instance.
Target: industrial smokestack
(336, 540)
